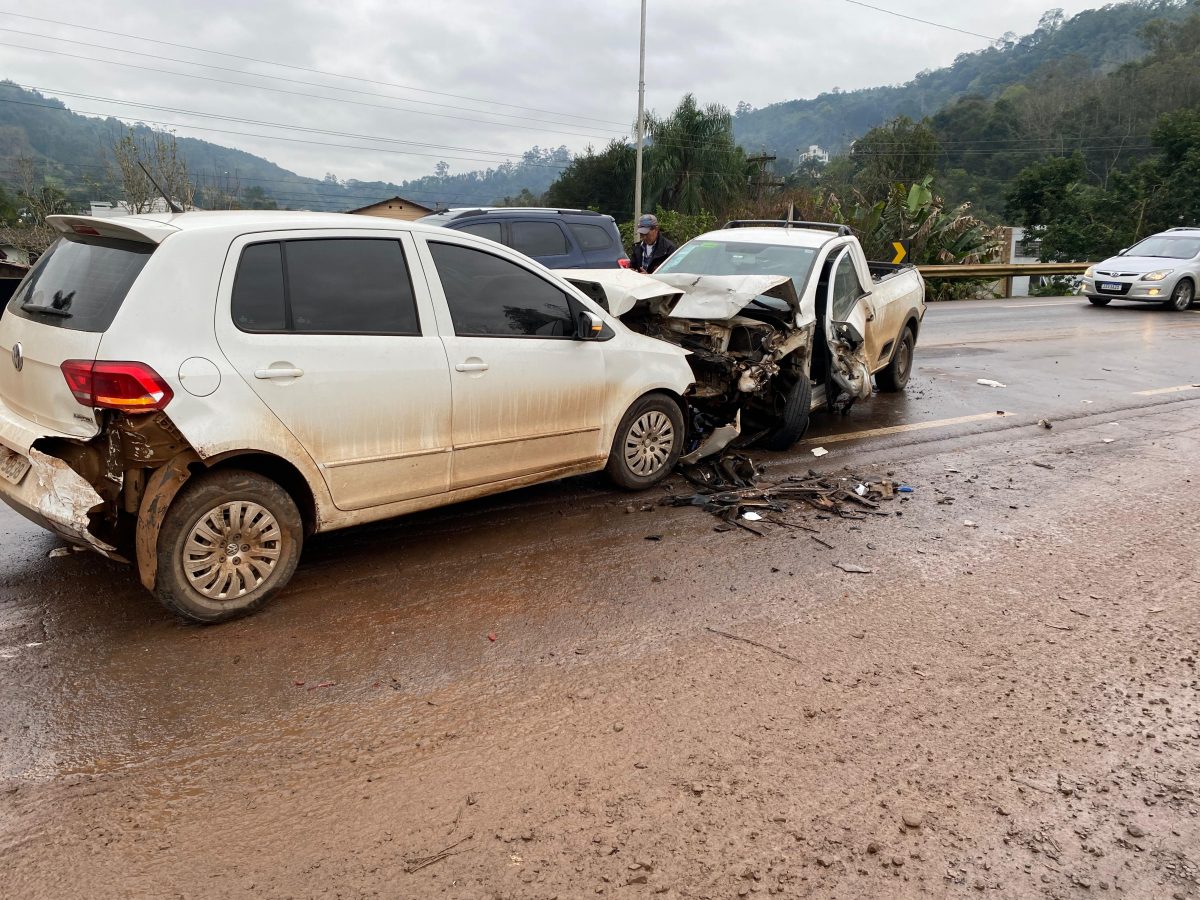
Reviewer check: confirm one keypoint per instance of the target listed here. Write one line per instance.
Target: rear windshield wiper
(46, 310)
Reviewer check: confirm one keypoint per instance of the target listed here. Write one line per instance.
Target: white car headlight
(1157, 276)
(1089, 272)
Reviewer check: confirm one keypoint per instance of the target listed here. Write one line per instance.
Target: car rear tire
(895, 377)
(1099, 301)
(229, 543)
(1181, 298)
(794, 417)
(647, 444)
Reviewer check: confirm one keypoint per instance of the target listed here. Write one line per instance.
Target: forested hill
(71, 150)
(1107, 37)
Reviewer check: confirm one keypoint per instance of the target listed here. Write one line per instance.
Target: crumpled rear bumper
(51, 494)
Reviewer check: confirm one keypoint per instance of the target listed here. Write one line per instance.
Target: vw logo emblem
(18, 356)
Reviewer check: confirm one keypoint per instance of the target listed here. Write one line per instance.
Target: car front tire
(647, 444)
(1181, 298)
(1099, 301)
(229, 543)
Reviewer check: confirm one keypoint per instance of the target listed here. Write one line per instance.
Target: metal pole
(637, 183)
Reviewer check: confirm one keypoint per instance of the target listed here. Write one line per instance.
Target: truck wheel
(895, 376)
(1099, 301)
(793, 417)
(647, 443)
(229, 542)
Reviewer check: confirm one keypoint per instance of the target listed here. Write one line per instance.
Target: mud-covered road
(528, 697)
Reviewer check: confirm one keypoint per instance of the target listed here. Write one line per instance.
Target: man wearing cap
(648, 253)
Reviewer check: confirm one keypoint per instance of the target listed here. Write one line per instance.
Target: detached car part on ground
(779, 319)
(199, 392)
(1164, 268)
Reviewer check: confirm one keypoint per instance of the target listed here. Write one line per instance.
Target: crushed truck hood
(700, 296)
(724, 296)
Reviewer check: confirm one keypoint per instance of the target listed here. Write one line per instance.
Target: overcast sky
(571, 65)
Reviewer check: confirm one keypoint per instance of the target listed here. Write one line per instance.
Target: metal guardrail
(1004, 272)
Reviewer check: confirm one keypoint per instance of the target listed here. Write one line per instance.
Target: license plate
(13, 466)
(1111, 285)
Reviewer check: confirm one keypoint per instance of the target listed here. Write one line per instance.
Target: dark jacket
(663, 248)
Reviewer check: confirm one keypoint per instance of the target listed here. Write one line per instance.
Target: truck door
(847, 310)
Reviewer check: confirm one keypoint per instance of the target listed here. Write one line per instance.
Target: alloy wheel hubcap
(231, 550)
(649, 442)
(1183, 295)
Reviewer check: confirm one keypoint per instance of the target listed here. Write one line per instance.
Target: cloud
(540, 72)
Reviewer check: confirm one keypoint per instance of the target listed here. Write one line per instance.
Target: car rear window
(591, 237)
(80, 284)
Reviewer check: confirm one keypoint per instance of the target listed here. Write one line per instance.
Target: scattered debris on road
(819, 451)
(729, 488)
(1045, 423)
(735, 637)
(420, 862)
(852, 568)
(988, 382)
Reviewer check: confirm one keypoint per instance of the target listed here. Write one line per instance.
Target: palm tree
(693, 163)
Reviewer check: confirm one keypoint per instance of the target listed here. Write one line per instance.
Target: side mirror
(1122, 251)
(588, 326)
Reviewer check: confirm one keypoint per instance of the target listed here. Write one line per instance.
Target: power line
(192, 112)
(296, 68)
(261, 87)
(275, 137)
(315, 84)
(900, 15)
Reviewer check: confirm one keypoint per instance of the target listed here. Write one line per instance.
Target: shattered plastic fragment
(969, 524)
(751, 516)
(861, 490)
(988, 382)
(819, 451)
(59, 551)
(852, 568)
(905, 489)
(1109, 440)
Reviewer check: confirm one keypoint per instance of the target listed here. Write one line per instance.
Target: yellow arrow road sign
(901, 248)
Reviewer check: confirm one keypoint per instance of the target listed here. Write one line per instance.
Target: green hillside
(1105, 38)
(70, 149)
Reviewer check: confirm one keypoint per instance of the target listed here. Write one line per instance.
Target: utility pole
(637, 183)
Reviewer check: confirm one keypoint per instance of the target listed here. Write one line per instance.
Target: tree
(140, 150)
(601, 181)
(693, 162)
(36, 199)
(902, 151)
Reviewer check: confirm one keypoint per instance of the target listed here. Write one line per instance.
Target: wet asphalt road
(141, 757)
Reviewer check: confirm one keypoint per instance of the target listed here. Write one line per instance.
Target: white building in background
(813, 152)
(103, 209)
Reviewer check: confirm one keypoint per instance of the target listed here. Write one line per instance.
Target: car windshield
(705, 257)
(1166, 246)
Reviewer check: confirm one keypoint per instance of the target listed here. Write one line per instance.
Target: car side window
(591, 237)
(489, 230)
(492, 297)
(539, 239)
(258, 292)
(846, 289)
(325, 286)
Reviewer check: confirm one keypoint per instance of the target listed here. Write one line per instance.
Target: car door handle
(477, 366)
(278, 373)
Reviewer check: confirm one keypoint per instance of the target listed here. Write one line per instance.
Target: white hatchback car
(201, 391)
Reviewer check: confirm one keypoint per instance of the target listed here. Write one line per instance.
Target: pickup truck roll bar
(843, 230)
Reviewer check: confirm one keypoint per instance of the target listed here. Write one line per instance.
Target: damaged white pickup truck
(780, 318)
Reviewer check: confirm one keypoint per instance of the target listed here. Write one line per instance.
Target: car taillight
(623, 262)
(128, 386)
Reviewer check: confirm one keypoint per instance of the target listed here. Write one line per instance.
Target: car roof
(786, 237)
(156, 226)
(467, 212)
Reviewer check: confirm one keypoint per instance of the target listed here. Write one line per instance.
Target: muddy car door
(847, 311)
(528, 396)
(327, 329)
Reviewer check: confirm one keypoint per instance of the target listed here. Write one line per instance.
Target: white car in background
(1164, 268)
(201, 391)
